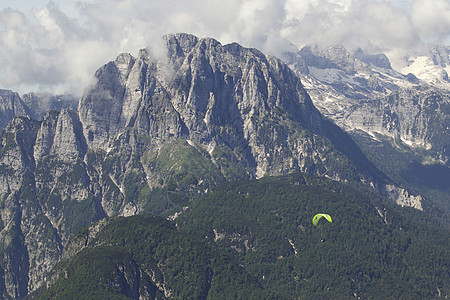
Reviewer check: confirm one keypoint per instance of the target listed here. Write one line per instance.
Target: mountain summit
(217, 98)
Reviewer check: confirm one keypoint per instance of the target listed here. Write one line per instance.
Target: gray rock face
(362, 92)
(403, 198)
(441, 56)
(194, 95)
(42, 185)
(241, 114)
(377, 60)
(11, 105)
(23, 222)
(31, 105)
(418, 117)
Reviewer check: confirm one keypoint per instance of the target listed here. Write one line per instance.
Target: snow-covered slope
(363, 92)
(425, 69)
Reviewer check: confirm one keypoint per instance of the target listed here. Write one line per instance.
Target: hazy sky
(58, 45)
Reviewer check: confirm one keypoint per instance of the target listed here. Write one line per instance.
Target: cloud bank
(57, 52)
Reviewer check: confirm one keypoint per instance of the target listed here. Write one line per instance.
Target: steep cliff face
(418, 117)
(11, 105)
(62, 181)
(40, 103)
(219, 98)
(33, 105)
(45, 196)
(23, 222)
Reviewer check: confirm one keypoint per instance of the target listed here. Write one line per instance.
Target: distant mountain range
(363, 92)
(32, 105)
(153, 135)
(400, 121)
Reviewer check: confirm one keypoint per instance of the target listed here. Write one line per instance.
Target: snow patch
(382, 214)
(118, 186)
(372, 135)
(407, 142)
(424, 69)
(414, 144)
(330, 76)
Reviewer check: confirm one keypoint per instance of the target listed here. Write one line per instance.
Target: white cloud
(432, 19)
(53, 49)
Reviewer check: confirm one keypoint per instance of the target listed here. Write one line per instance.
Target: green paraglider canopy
(317, 217)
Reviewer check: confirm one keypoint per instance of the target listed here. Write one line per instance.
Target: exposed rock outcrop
(11, 105)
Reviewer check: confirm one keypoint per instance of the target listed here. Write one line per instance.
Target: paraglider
(316, 219)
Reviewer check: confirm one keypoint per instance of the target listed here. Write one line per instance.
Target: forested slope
(254, 240)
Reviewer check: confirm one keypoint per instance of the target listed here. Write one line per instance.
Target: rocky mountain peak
(332, 57)
(441, 56)
(208, 84)
(124, 62)
(60, 135)
(180, 44)
(11, 105)
(377, 60)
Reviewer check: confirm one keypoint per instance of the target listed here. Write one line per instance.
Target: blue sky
(58, 45)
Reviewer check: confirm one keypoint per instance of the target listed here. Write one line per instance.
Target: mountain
(154, 134)
(32, 105)
(433, 68)
(337, 79)
(400, 121)
(40, 103)
(11, 105)
(255, 240)
(416, 117)
(355, 75)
